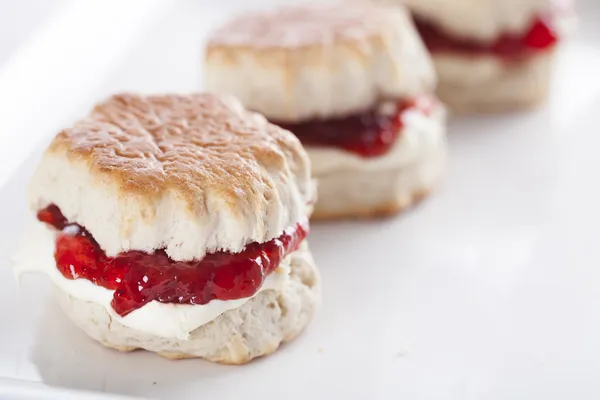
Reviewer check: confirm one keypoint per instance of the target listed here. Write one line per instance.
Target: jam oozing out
(368, 134)
(138, 278)
(539, 36)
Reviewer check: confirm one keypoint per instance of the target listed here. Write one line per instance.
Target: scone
(354, 83)
(490, 55)
(176, 224)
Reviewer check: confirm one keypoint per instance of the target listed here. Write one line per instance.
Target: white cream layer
(36, 254)
(420, 133)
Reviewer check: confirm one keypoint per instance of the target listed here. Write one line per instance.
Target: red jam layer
(367, 134)
(138, 278)
(540, 36)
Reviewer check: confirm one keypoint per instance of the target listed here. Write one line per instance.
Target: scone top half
(187, 174)
(320, 61)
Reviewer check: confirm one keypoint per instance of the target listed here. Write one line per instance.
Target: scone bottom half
(379, 163)
(176, 224)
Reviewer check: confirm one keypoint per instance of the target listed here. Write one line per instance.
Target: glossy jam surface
(367, 134)
(138, 278)
(540, 36)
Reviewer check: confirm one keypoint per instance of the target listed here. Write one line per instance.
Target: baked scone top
(318, 61)
(306, 25)
(189, 173)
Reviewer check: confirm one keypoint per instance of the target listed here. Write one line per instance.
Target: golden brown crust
(383, 210)
(190, 145)
(122, 349)
(301, 26)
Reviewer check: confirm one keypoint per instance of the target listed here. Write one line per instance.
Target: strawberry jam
(368, 134)
(539, 36)
(138, 278)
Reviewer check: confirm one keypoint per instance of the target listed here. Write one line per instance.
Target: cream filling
(420, 133)
(36, 254)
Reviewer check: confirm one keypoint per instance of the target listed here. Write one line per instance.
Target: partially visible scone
(176, 224)
(354, 83)
(491, 55)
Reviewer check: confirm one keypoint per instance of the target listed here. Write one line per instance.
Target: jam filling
(540, 36)
(138, 278)
(371, 133)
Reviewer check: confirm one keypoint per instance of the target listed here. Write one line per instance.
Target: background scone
(353, 81)
(490, 55)
(176, 224)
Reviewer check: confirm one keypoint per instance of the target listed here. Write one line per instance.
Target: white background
(19, 19)
(488, 290)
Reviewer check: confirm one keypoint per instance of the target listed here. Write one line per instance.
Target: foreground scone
(176, 224)
(354, 82)
(490, 55)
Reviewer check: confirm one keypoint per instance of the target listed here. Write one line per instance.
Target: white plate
(488, 290)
